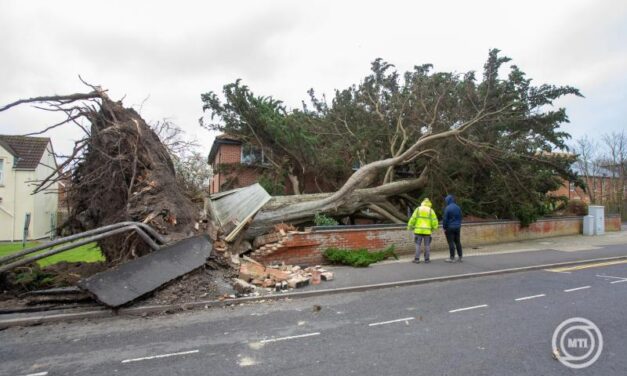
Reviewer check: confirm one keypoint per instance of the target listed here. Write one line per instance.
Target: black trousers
(453, 239)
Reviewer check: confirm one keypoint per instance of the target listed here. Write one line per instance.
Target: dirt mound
(202, 284)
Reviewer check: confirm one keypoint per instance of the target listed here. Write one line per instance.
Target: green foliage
(502, 167)
(34, 278)
(272, 184)
(322, 220)
(286, 139)
(360, 258)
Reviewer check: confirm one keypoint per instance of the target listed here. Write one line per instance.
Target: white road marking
(37, 374)
(529, 297)
(247, 362)
(620, 279)
(290, 337)
(577, 289)
(255, 345)
(160, 356)
(467, 308)
(609, 276)
(391, 321)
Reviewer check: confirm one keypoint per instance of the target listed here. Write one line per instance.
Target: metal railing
(149, 235)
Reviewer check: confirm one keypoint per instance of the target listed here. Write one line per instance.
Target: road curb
(144, 310)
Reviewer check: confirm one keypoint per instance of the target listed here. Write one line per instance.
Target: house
(602, 187)
(24, 161)
(237, 164)
(234, 163)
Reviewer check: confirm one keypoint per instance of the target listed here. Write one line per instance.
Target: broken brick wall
(306, 248)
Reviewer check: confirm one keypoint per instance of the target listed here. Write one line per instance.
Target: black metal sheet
(135, 278)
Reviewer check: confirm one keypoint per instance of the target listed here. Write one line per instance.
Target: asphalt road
(484, 326)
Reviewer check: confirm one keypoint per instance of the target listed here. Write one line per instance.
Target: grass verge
(85, 253)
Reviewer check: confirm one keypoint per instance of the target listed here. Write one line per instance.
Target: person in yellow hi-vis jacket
(422, 223)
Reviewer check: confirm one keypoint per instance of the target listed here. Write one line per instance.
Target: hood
(450, 199)
(426, 202)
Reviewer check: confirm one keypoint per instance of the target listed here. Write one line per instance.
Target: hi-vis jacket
(424, 220)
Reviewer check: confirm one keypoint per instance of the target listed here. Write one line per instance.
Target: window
(252, 155)
(1, 171)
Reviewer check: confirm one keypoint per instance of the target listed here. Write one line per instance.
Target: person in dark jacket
(452, 223)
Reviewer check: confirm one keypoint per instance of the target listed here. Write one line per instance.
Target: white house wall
(45, 203)
(17, 199)
(24, 202)
(7, 201)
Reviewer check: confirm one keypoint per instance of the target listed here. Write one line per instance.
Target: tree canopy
(489, 141)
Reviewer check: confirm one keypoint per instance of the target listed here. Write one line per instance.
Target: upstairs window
(252, 155)
(1, 171)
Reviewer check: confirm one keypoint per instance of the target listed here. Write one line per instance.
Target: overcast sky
(161, 57)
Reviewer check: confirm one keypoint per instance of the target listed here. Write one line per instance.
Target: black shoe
(416, 261)
(427, 261)
(449, 260)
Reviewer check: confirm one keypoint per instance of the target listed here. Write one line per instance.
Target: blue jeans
(418, 239)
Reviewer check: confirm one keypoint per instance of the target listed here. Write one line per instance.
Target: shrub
(323, 220)
(576, 207)
(359, 257)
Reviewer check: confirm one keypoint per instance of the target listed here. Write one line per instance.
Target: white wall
(17, 199)
(24, 202)
(45, 203)
(7, 187)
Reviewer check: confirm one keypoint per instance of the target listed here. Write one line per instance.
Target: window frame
(261, 160)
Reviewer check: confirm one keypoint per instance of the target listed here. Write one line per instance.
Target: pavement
(482, 259)
(501, 324)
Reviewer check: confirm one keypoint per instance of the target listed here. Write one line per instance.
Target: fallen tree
(118, 171)
(356, 194)
(380, 145)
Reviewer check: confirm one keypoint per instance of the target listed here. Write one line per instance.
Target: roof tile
(28, 150)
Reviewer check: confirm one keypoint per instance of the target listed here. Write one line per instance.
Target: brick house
(602, 186)
(234, 164)
(238, 164)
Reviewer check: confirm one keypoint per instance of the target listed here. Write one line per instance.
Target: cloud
(171, 52)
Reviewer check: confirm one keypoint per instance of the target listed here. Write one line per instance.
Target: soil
(26, 279)
(126, 174)
(204, 283)
(210, 282)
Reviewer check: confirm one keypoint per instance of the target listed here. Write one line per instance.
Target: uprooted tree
(373, 150)
(118, 171)
(425, 133)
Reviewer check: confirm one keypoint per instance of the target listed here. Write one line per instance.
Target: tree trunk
(354, 194)
(295, 183)
(302, 208)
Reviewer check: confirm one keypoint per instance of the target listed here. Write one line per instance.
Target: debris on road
(143, 275)
(280, 277)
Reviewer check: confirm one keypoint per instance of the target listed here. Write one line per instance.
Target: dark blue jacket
(452, 214)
